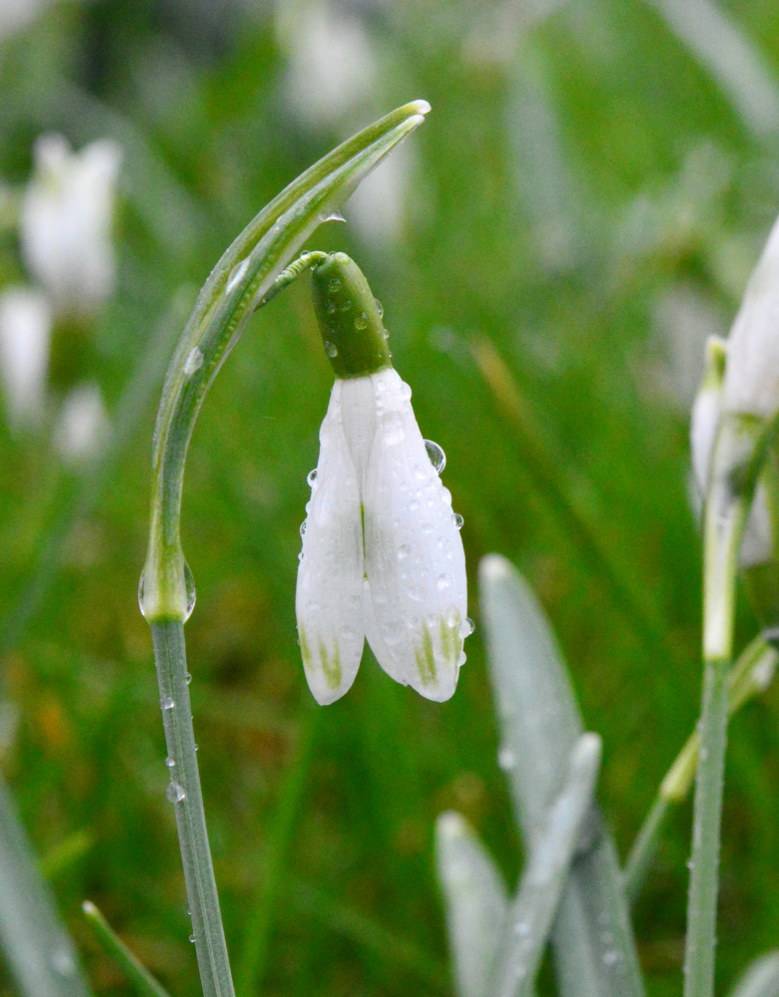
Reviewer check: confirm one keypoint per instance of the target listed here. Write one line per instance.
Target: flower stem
(643, 851)
(738, 451)
(185, 794)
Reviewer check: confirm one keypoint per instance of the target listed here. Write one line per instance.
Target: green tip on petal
(349, 318)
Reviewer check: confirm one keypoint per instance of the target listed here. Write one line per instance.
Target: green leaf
(593, 943)
(37, 949)
(141, 979)
(761, 978)
(476, 902)
(528, 923)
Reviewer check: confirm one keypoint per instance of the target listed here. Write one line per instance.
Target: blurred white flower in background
(331, 82)
(15, 15)
(331, 61)
(66, 223)
(25, 332)
(82, 424)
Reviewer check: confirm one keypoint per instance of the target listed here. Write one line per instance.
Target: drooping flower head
(382, 557)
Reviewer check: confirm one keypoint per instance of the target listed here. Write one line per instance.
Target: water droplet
(193, 362)
(331, 349)
(330, 308)
(141, 588)
(403, 551)
(610, 958)
(361, 321)
(332, 216)
(467, 627)
(191, 592)
(522, 928)
(170, 762)
(189, 678)
(436, 455)
(506, 759)
(192, 938)
(236, 274)
(346, 305)
(334, 285)
(379, 307)
(311, 478)
(443, 583)
(167, 703)
(175, 792)
(458, 520)
(300, 556)
(405, 392)
(303, 528)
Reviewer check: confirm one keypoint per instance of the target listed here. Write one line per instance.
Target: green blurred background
(584, 204)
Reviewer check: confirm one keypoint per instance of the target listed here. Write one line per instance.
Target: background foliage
(586, 199)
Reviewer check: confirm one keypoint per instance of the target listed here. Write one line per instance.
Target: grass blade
(141, 979)
(476, 902)
(540, 723)
(38, 950)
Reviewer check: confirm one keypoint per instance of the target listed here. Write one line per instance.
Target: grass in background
(581, 179)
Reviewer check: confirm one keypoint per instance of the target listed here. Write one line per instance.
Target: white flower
(66, 222)
(82, 425)
(25, 331)
(756, 546)
(382, 557)
(752, 377)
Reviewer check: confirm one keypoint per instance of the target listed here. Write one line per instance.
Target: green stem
(140, 978)
(749, 676)
(704, 875)
(738, 453)
(185, 794)
(644, 848)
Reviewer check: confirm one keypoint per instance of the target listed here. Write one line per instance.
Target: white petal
(752, 377)
(82, 425)
(416, 598)
(328, 602)
(25, 329)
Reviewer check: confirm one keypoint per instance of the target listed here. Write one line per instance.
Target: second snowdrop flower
(382, 556)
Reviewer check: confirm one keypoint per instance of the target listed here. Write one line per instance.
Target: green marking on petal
(451, 641)
(331, 665)
(305, 649)
(425, 658)
(362, 533)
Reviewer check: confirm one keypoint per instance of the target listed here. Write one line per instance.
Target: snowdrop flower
(66, 220)
(757, 543)
(25, 331)
(382, 557)
(82, 425)
(752, 377)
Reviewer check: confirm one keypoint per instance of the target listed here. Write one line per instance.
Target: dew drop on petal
(458, 520)
(467, 627)
(311, 478)
(436, 454)
(443, 583)
(303, 528)
(403, 551)
(331, 349)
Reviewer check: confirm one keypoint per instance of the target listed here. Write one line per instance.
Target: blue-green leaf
(594, 950)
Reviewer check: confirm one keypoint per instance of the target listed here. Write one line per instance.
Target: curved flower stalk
(382, 557)
(236, 287)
